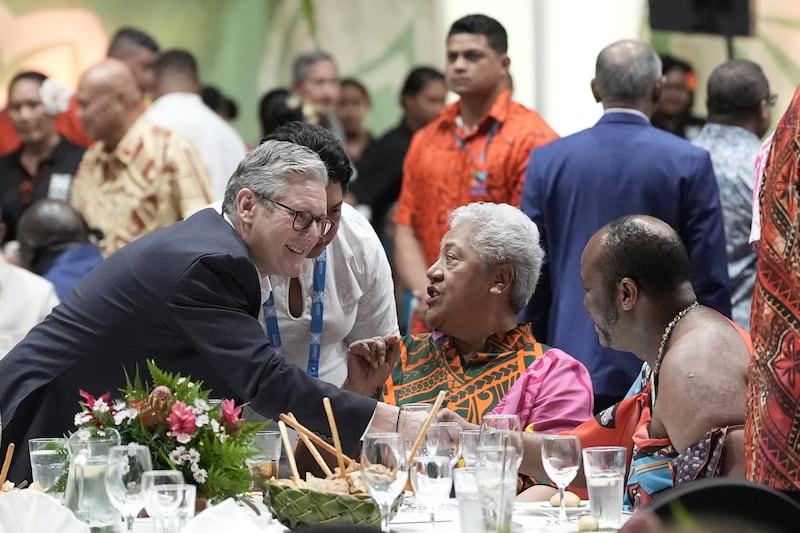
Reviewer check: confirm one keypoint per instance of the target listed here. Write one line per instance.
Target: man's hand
(446, 415)
(369, 363)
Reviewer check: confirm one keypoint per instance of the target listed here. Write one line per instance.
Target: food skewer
(288, 445)
(313, 450)
(6, 463)
(301, 429)
(428, 421)
(326, 402)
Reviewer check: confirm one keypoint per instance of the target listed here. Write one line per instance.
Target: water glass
(469, 440)
(561, 459)
(604, 467)
(48, 460)
(264, 465)
(497, 484)
(446, 437)
(432, 479)
(502, 430)
(470, 516)
(410, 420)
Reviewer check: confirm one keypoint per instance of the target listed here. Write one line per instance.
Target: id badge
(59, 186)
(478, 182)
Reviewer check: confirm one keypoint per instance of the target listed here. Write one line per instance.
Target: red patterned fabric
(772, 445)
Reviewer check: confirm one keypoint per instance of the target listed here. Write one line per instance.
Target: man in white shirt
(178, 107)
(25, 299)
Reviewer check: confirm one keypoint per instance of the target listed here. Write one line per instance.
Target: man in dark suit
(189, 297)
(622, 165)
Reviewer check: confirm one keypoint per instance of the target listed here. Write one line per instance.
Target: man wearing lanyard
(345, 290)
(475, 150)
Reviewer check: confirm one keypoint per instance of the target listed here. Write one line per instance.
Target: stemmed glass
(432, 478)
(561, 458)
(161, 496)
(126, 467)
(410, 421)
(384, 470)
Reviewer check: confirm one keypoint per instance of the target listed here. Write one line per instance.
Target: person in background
(25, 299)
(488, 265)
(622, 165)
(739, 112)
(475, 150)
(133, 47)
(44, 164)
(315, 80)
(137, 177)
(345, 290)
(773, 395)
(54, 243)
(674, 110)
(352, 110)
(179, 108)
(381, 166)
(278, 107)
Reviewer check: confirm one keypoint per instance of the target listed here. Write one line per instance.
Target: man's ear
(503, 278)
(627, 293)
(246, 202)
(658, 89)
(596, 95)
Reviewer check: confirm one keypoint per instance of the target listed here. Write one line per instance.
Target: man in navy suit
(189, 297)
(622, 165)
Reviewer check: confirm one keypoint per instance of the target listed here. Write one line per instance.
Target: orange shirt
(442, 168)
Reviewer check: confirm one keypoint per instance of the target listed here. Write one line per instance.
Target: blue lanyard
(315, 340)
(478, 184)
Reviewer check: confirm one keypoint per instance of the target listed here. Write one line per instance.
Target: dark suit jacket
(187, 296)
(576, 185)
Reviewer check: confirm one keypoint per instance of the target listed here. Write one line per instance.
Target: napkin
(230, 516)
(30, 511)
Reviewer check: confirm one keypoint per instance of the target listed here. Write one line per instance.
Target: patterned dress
(773, 412)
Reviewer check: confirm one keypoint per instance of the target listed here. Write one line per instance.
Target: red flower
(181, 420)
(161, 394)
(90, 400)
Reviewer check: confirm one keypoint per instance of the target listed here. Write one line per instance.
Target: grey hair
(500, 234)
(269, 169)
(626, 71)
(302, 62)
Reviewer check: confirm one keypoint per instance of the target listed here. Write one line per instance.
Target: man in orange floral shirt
(475, 150)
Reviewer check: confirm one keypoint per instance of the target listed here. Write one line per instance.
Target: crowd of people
(598, 284)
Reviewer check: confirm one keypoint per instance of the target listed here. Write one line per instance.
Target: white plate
(544, 508)
(29, 511)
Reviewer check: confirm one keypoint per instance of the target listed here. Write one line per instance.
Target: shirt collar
(627, 110)
(497, 113)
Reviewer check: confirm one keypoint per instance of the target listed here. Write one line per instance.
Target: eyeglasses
(303, 219)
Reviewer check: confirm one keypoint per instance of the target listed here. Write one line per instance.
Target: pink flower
(181, 420)
(230, 413)
(90, 400)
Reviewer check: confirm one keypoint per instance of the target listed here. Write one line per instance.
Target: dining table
(527, 517)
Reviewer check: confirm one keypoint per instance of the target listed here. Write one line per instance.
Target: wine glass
(432, 479)
(161, 499)
(126, 467)
(561, 458)
(445, 435)
(502, 430)
(384, 470)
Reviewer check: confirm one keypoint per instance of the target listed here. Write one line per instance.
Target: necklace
(668, 332)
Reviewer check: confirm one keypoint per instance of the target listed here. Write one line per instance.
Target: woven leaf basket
(294, 507)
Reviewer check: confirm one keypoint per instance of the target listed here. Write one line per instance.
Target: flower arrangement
(175, 419)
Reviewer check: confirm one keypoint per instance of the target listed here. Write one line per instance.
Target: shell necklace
(668, 332)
